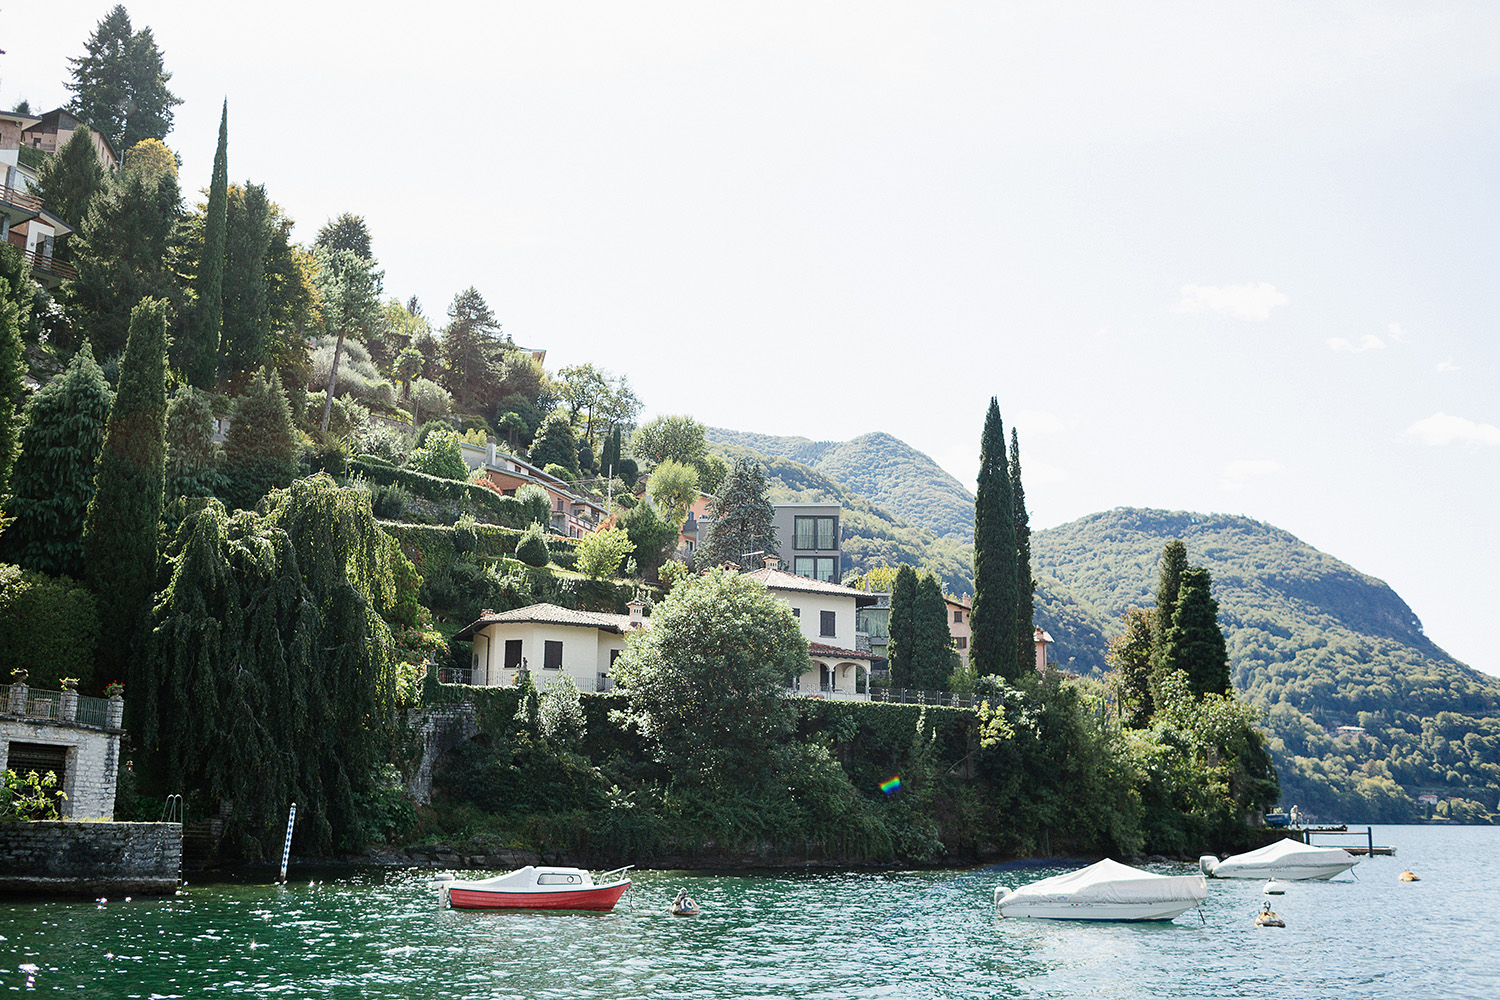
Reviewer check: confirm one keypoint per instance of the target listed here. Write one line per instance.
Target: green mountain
(1312, 640)
(884, 470)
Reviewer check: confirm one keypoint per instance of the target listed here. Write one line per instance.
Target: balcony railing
(904, 696)
(20, 701)
(21, 199)
(49, 265)
(455, 675)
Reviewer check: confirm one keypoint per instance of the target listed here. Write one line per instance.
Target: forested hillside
(882, 469)
(1312, 640)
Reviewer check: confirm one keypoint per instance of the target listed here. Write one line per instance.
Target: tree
(555, 444)
(601, 552)
(1025, 585)
(120, 85)
(933, 657)
(532, 549)
(673, 487)
(350, 290)
(122, 523)
(609, 460)
(1172, 565)
(347, 232)
(247, 306)
(1130, 657)
(260, 450)
(742, 527)
(191, 453)
(408, 366)
(12, 380)
(471, 344)
(903, 630)
(1195, 644)
(712, 471)
(680, 438)
(202, 355)
(535, 502)
(992, 644)
(716, 660)
(69, 182)
(441, 456)
(652, 538)
(151, 156)
(53, 479)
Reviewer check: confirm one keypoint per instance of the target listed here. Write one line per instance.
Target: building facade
(547, 642)
(808, 537)
(826, 613)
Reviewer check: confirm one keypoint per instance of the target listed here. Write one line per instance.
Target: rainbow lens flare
(893, 785)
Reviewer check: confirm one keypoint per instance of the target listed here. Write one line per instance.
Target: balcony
(24, 200)
(44, 267)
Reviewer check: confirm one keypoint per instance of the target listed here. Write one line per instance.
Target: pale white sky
(1209, 258)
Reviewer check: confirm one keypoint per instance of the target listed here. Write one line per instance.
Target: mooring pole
(286, 849)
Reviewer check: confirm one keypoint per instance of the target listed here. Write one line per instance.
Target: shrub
(600, 554)
(441, 456)
(50, 624)
(532, 548)
(558, 472)
(536, 503)
(389, 502)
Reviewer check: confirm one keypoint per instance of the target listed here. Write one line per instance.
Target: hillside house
(52, 131)
(826, 612)
(574, 514)
(959, 611)
(808, 535)
(24, 223)
(547, 642)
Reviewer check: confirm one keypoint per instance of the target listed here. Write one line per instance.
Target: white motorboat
(1288, 860)
(534, 888)
(1107, 890)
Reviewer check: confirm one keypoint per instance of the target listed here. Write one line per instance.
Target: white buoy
(286, 850)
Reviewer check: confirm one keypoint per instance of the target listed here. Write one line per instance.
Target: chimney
(487, 613)
(636, 607)
(772, 562)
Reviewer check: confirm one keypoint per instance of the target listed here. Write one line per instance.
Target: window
(614, 654)
(818, 533)
(558, 878)
(963, 642)
(796, 612)
(958, 617)
(512, 654)
(552, 655)
(816, 567)
(826, 624)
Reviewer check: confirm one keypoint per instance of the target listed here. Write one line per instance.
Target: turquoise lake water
(375, 933)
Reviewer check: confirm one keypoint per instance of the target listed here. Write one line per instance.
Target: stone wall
(93, 757)
(90, 858)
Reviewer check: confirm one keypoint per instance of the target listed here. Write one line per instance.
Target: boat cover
(1109, 881)
(1282, 854)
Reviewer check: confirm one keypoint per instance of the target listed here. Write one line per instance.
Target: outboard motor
(1001, 891)
(1207, 863)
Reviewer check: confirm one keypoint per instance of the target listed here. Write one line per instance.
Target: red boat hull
(596, 898)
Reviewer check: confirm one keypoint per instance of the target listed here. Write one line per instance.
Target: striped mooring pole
(286, 849)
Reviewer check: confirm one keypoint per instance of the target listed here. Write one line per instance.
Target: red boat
(535, 888)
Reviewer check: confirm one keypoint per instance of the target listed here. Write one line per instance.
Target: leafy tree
(249, 230)
(531, 549)
(679, 438)
(347, 232)
(441, 456)
(192, 456)
(742, 517)
(629, 472)
(68, 182)
(1130, 657)
(705, 683)
(121, 525)
(1173, 564)
(993, 645)
(903, 627)
(350, 289)
(408, 367)
(119, 85)
(652, 538)
(471, 347)
(53, 479)
(535, 501)
(601, 552)
(1025, 585)
(933, 657)
(202, 354)
(151, 156)
(555, 444)
(1195, 645)
(712, 471)
(429, 400)
(123, 253)
(673, 487)
(260, 450)
(12, 380)
(50, 625)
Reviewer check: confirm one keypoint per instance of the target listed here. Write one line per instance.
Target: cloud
(1447, 366)
(1397, 334)
(1236, 474)
(1440, 429)
(1369, 342)
(1251, 303)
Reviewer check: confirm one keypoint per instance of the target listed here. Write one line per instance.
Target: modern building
(808, 536)
(826, 612)
(547, 642)
(574, 514)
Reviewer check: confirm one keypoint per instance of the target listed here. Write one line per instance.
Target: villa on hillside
(574, 514)
(826, 612)
(24, 223)
(547, 642)
(959, 610)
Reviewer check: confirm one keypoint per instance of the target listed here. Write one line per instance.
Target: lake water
(372, 933)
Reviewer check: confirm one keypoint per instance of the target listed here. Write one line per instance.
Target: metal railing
(53, 706)
(906, 696)
(455, 675)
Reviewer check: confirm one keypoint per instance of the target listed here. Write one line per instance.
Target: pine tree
(555, 444)
(933, 661)
(1195, 644)
(742, 519)
(347, 232)
(992, 645)
(202, 366)
(1172, 565)
(191, 453)
(903, 628)
(1025, 585)
(120, 84)
(247, 315)
(12, 380)
(260, 450)
(53, 479)
(122, 524)
(69, 182)
(471, 346)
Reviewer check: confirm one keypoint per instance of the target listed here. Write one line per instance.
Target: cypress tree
(1129, 656)
(1172, 565)
(1195, 644)
(903, 628)
(933, 660)
(122, 524)
(12, 379)
(208, 320)
(53, 479)
(1025, 585)
(992, 645)
(247, 315)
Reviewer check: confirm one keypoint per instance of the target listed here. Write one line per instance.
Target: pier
(1305, 834)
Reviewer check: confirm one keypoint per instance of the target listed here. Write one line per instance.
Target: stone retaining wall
(90, 859)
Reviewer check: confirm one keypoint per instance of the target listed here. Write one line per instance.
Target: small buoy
(683, 905)
(1409, 876)
(1274, 888)
(1267, 918)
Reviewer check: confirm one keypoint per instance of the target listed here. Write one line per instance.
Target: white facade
(548, 642)
(825, 612)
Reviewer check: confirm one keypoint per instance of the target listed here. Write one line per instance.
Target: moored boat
(1106, 890)
(1288, 860)
(539, 888)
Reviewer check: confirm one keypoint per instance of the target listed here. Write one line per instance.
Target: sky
(1222, 258)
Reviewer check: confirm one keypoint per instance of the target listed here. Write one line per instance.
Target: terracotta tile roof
(550, 614)
(776, 579)
(819, 649)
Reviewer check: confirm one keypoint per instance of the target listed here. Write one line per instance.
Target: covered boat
(1107, 890)
(1287, 859)
(538, 888)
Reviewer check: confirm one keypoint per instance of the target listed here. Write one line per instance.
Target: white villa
(826, 613)
(549, 642)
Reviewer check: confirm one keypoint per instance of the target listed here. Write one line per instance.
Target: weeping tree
(273, 678)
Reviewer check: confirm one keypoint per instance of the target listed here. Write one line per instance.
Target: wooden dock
(1305, 834)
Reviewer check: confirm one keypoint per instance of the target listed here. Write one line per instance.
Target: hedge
(481, 501)
(50, 625)
(430, 546)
